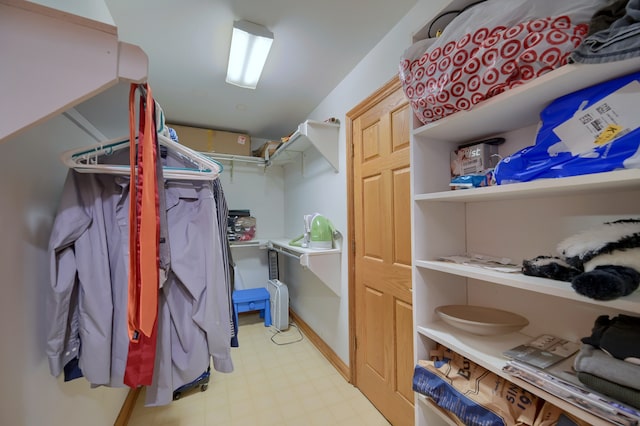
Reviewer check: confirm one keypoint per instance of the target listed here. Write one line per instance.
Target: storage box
(270, 147)
(473, 159)
(241, 226)
(208, 140)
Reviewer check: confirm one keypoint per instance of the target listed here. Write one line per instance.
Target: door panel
(372, 218)
(401, 127)
(371, 145)
(375, 359)
(404, 350)
(382, 257)
(401, 217)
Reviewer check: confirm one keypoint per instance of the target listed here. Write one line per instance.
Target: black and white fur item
(550, 267)
(602, 263)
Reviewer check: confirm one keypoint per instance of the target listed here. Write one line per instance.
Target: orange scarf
(144, 230)
(143, 220)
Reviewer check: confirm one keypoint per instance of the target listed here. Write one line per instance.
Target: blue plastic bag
(596, 143)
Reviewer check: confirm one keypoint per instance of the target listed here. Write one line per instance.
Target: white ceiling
(316, 44)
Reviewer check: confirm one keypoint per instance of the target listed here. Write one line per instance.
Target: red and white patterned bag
(490, 48)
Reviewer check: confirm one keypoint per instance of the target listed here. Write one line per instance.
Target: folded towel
(623, 394)
(598, 363)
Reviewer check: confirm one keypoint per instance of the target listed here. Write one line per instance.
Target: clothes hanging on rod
(223, 215)
(85, 160)
(227, 260)
(89, 252)
(96, 159)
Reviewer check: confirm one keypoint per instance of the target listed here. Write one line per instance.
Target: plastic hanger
(86, 159)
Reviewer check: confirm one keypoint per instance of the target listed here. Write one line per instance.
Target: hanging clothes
(87, 310)
(79, 307)
(223, 217)
(222, 214)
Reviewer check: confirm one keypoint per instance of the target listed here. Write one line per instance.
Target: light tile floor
(285, 385)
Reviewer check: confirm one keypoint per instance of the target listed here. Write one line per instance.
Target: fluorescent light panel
(250, 45)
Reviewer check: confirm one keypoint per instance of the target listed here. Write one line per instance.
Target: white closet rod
(284, 251)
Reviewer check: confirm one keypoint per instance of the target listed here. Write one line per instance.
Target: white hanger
(86, 160)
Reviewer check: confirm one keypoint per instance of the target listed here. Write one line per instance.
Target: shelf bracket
(324, 137)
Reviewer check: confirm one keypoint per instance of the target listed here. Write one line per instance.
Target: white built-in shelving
(519, 221)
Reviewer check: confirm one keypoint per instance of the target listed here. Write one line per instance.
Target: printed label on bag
(603, 122)
(609, 134)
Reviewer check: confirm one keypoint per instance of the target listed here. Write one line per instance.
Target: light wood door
(381, 219)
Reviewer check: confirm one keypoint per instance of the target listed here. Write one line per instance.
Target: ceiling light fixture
(250, 45)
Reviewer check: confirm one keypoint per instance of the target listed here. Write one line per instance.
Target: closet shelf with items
(490, 351)
(440, 413)
(324, 263)
(231, 158)
(321, 135)
(519, 107)
(518, 220)
(618, 179)
(262, 244)
(82, 57)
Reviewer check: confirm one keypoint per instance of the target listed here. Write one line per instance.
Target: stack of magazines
(560, 379)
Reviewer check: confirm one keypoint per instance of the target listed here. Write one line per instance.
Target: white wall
(260, 190)
(324, 191)
(31, 179)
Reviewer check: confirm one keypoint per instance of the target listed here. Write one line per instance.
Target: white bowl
(481, 320)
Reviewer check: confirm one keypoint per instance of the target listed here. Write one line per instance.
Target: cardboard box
(270, 147)
(208, 140)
